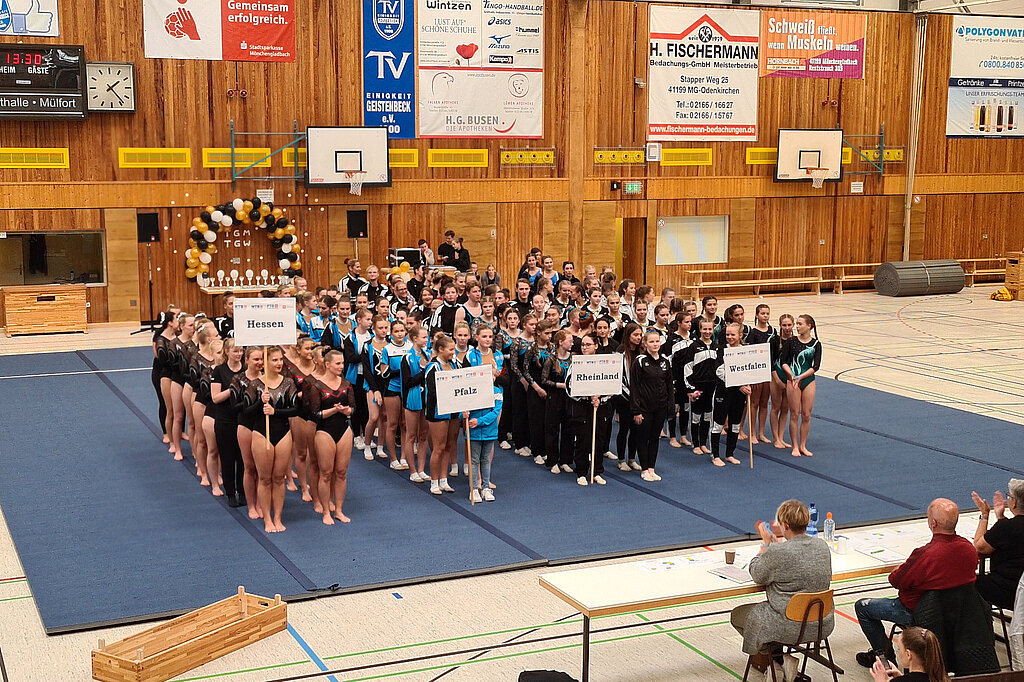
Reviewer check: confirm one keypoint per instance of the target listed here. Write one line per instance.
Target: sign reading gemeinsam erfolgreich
(265, 321)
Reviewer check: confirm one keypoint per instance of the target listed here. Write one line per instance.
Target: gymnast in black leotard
(186, 327)
(163, 368)
(200, 364)
(240, 396)
(279, 399)
(329, 401)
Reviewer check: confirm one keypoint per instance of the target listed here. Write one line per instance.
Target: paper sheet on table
(663, 564)
(733, 573)
(886, 556)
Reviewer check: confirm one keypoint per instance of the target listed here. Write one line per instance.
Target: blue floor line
(157, 431)
(317, 661)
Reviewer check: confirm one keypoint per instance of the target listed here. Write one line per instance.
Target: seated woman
(1003, 543)
(788, 563)
(920, 654)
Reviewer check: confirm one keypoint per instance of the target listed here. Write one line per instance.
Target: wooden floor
(960, 350)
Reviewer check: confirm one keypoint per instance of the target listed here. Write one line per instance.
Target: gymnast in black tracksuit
(700, 364)
(651, 396)
(730, 402)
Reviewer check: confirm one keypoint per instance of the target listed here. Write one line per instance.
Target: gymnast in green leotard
(800, 360)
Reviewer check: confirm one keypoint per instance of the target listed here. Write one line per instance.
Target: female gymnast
(329, 402)
(800, 360)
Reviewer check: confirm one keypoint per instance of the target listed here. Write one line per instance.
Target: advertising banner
(748, 364)
(703, 74)
(389, 67)
(481, 68)
(813, 44)
(986, 77)
(463, 390)
(31, 18)
(236, 30)
(595, 375)
(265, 321)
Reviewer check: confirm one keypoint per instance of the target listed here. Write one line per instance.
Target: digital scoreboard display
(43, 82)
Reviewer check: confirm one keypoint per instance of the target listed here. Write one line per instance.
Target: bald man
(946, 562)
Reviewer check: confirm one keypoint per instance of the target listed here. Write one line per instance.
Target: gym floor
(961, 350)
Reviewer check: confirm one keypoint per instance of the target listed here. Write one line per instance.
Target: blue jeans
(480, 452)
(871, 613)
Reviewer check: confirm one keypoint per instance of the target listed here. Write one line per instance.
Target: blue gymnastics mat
(111, 530)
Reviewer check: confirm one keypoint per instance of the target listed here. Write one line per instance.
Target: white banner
(595, 375)
(702, 80)
(29, 18)
(463, 390)
(265, 321)
(748, 364)
(481, 68)
(986, 77)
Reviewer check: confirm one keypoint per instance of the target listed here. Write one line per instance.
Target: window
(52, 258)
(685, 240)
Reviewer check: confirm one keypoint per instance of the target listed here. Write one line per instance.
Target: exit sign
(633, 186)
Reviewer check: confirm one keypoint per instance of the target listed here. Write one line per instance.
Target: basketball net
(355, 181)
(817, 177)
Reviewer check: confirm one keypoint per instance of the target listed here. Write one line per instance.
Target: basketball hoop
(355, 181)
(817, 176)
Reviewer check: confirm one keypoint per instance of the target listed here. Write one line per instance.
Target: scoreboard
(42, 82)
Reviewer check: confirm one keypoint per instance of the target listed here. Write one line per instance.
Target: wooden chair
(809, 609)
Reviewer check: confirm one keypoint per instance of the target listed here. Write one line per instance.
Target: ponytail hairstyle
(704, 302)
(730, 312)
(166, 316)
(925, 645)
(441, 340)
(624, 347)
(205, 331)
(561, 335)
(760, 307)
(810, 320)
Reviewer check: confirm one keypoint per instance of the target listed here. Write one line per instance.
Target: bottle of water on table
(812, 527)
(830, 530)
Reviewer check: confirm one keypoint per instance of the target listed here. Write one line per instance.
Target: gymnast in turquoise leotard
(800, 360)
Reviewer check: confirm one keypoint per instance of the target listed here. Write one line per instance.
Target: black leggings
(155, 376)
(701, 413)
(360, 411)
(581, 425)
(558, 436)
(536, 408)
(231, 466)
(730, 403)
(648, 432)
(627, 435)
(513, 416)
(683, 419)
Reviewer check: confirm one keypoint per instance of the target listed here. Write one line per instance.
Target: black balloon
(270, 205)
(256, 202)
(196, 235)
(281, 254)
(288, 238)
(276, 243)
(205, 216)
(201, 244)
(282, 223)
(297, 273)
(292, 256)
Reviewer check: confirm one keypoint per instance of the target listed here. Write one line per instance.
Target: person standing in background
(426, 255)
(447, 250)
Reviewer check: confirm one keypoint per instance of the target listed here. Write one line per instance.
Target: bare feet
(255, 513)
(217, 492)
(341, 517)
(796, 452)
(184, 436)
(328, 521)
(754, 440)
(732, 460)
(806, 453)
(279, 527)
(166, 440)
(717, 462)
(291, 485)
(685, 442)
(269, 527)
(318, 508)
(306, 497)
(674, 443)
(178, 457)
(781, 445)
(742, 436)
(763, 438)
(205, 482)
(698, 451)
(171, 449)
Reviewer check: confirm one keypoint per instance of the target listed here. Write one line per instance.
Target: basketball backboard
(334, 151)
(800, 150)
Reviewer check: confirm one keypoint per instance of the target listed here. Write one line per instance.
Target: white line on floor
(66, 374)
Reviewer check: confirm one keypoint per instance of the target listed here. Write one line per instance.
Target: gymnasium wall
(594, 51)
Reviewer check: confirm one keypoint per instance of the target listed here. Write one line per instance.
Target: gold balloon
(394, 271)
(212, 248)
(210, 209)
(404, 267)
(246, 206)
(198, 222)
(191, 272)
(290, 229)
(278, 233)
(277, 213)
(203, 267)
(192, 243)
(297, 265)
(264, 210)
(193, 252)
(241, 215)
(192, 263)
(296, 248)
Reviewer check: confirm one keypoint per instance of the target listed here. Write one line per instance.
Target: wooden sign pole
(469, 460)
(266, 387)
(593, 446)
(750, 430)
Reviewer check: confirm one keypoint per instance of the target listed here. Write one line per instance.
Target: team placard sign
(265, 321)
(463, 390)
(748, 364)
(595, 375)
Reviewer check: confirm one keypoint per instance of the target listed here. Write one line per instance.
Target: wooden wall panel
(973, 226)
(122, 249)
(741, 232)
(520, 228)
(554, 237)
(477, 225)
(599, 233)
(791, 232)
(861, 230)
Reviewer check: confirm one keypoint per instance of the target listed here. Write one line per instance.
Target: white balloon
(238, 204)
(226, 221)
(217, 216)
(205, 258)
(284, 263)
(287, 248)
(210, 236)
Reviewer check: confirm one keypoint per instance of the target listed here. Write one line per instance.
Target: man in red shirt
(946, 562)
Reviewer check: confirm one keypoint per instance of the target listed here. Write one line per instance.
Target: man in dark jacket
(946, 562)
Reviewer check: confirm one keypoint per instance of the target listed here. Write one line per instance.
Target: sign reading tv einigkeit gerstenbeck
(42, 82)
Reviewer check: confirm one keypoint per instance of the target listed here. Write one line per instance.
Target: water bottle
(830, 530)
(812, 527)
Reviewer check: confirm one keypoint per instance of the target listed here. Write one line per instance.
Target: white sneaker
(582, 480)
(790, 665)
(538, 460)
(475, 496)
(359, 443)
(368, 454)
(521, 452)
(445, 487)
(566, 468)
(465, 470)
(556, 470)
(635, 466)
(623, 466)
(403, 465)
(600, 481)
(381, 452)
(396, 465)
(435, 488)
(610, 455)
(488, 495)
(454, 471)
(504, 445)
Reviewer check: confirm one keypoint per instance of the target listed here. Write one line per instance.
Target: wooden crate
(177, 646)
(44, 309)
(1013, 268)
